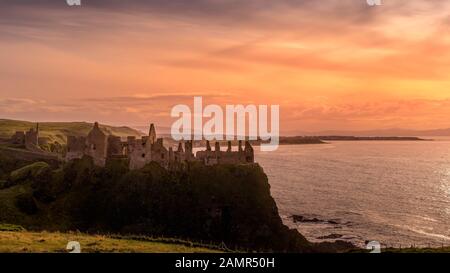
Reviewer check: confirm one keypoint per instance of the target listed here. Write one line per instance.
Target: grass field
(58, 131)
(42, 242)
(418, 250)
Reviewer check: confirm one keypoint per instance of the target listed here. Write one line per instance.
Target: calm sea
(397, 193)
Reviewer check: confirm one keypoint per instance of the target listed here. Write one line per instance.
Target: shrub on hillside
(9, 164)
(11, 227)
(27, 172)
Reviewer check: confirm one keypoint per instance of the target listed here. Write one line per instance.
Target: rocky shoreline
(336, 224)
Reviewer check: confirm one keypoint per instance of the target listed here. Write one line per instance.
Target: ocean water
(395, 192)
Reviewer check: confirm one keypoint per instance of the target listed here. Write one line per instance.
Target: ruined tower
(229, 147)
(152, 134)
(217, 147)
(96, 145)
(32, 138)
(249, 153)
(188, 145)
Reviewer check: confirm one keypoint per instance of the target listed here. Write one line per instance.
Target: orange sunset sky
(329, 64)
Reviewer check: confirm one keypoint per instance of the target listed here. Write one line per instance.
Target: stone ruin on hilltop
(102, 146)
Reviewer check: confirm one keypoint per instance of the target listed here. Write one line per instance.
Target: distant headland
(299, 140)
(370, 138)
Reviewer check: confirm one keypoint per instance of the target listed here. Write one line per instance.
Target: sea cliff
(222, 204)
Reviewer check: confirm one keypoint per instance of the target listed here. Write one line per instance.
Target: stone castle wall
(75, 147)
(18, 138)
(140, 152)
(30, 138)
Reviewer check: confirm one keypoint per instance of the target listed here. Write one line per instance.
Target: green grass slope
(58, 131)
(40, 242)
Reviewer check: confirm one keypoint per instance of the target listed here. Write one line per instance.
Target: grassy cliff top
(58, 131)
(38, 242)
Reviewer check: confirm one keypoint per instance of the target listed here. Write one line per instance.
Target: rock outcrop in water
(302, 219)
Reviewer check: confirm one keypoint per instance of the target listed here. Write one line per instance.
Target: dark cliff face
(223, 203)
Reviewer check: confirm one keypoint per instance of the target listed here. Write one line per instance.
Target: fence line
(412, 246)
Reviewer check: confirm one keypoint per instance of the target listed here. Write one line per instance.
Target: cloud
(267, 14)
(369, 114)
(84, 60)
(134, 110)
(312, 115)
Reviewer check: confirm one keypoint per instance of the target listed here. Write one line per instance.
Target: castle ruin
(101, 147)
(30, 139)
